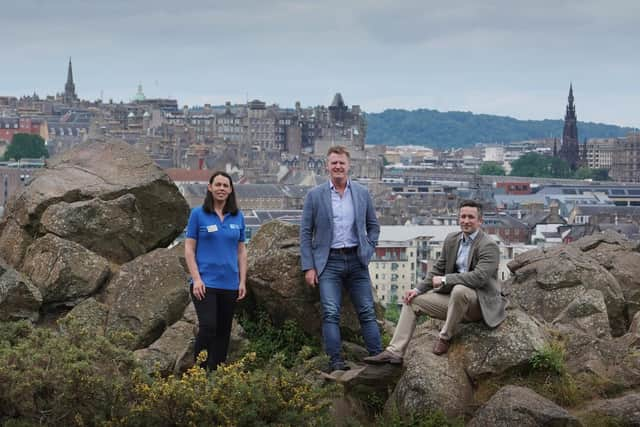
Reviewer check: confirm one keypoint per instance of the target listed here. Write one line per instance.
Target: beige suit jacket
(481, 275)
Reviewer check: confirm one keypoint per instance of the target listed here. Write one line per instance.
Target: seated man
(465, 287)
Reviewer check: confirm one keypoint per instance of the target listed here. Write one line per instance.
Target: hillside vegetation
(436, 129)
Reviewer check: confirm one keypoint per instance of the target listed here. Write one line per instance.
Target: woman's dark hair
(231, 206)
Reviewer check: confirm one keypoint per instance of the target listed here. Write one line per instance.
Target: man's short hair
(339, 149)
(472, 204)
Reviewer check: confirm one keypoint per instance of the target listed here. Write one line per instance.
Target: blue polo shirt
(217, 247)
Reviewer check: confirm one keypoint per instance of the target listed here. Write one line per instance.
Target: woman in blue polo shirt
(217, 259)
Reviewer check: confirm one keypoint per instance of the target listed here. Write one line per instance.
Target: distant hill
(464, 129)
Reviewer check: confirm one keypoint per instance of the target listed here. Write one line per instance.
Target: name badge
(212, 228)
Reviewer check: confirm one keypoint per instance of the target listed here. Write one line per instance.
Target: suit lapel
(356, 204)
(326, 199)
(451, 260)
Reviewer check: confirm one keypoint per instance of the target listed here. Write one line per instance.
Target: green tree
(583, 173)
(600, 174)
(491, 168)
(25, 145)
(538, 165)
(392, 312)
(558, 168)
(595, 174)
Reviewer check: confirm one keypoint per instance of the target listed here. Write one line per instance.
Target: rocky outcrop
(621, 257)
(19, 298)
(519, 406)
(545, 282)
(108, 197)
(277, 283)
(64, 271)
(147, 295)
(621, 411)
(485, 352)
(111, 228)
(175, 344)
(429, 382)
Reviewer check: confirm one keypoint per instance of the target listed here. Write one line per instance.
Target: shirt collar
(333, 187)
(464, 238)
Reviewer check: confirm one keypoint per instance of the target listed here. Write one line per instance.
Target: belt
(344, 251)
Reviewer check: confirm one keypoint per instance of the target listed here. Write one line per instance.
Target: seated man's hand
(437, 282)
(409, 295)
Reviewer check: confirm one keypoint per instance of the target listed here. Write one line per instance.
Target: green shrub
(435, 418)
(266, 340)
(53, 379)
(232, 395)
(76, 378)
(549, 358)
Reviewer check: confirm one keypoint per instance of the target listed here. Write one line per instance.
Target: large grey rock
(277, 283)
(621, 257)
(545, 282)
(96, 173)
(164, 354)
(430, 382)
(110, 228)
(19, 298)
(14, 241)
(613, 363)
(64, 271)
(483, 352)
(587, 313)
(522, 407)
(90, 315)
(621, 411)
(147, 295)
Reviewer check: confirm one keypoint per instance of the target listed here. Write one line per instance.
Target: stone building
(599, 152)
(625, 160)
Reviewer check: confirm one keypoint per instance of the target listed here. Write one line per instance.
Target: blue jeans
(346, 271)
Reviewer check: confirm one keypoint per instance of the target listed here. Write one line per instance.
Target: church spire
(571, 108)
(569, 149)
(70, 87)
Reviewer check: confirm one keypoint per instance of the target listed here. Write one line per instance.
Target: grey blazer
(482, 274)
(316, 228)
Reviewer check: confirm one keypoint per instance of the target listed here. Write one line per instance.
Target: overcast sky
(505, 57)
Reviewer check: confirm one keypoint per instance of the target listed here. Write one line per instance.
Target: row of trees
(26, 146)
(541, 166)
(464, 129)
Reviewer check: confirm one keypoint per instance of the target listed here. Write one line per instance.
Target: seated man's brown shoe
(384, 357)
(441, 346)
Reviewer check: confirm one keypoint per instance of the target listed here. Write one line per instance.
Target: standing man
(465, 287)
(338, 235)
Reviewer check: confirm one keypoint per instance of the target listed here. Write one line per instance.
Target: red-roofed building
(11, 126)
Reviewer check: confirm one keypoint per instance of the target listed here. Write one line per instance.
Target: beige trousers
(460, 305)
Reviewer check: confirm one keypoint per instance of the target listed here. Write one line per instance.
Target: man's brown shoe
(384, 357)
(441, 346)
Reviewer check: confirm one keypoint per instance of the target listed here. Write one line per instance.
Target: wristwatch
(444, 280)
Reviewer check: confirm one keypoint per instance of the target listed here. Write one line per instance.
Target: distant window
(617, 192)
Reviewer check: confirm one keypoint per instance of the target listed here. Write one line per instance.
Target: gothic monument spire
(69, 88)
(570, 149)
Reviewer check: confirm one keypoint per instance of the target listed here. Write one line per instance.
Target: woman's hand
(242, 291)
(199, 289)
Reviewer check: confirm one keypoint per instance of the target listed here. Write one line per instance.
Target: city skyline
(485, 58)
